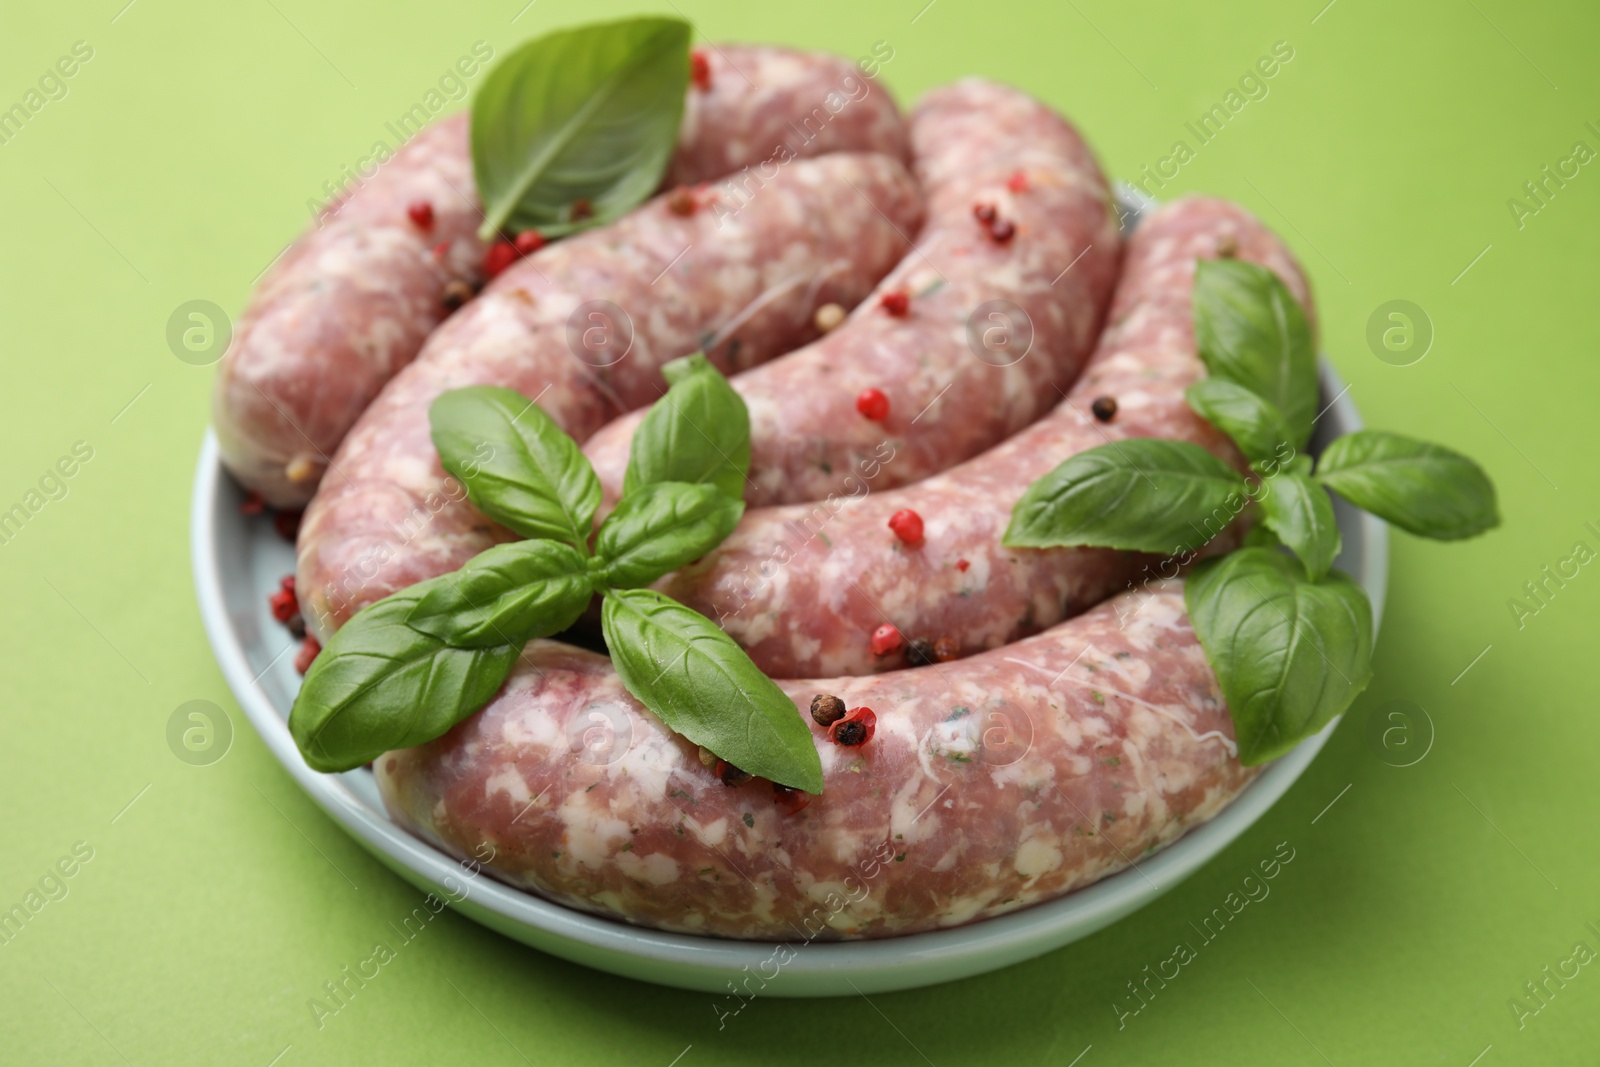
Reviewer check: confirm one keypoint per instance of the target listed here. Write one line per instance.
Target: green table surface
(217, 900)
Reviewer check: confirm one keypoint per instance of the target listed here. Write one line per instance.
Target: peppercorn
(253, 504)
(985, 214)
(826, 709)
(730, 775)
(828, 318)
(708, 758)
(919, 653)
(309, 648)
(1002, 231)
(528, 242)
(1227, 246)
(873, 404)
(283, 601)
(700, 71)
(456, 294)
(945, 649)
(421, 213)
(886, 640)
(856, 728)
(297, 626)
(1104, 408)
(962, 565)
(582, 209)
(897, 302)
(907, 526)
(790, 800)
(501, 255)
(681, 201)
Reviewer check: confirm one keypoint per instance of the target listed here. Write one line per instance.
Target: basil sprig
(406, 669)
(1289, 637)
(587, 115)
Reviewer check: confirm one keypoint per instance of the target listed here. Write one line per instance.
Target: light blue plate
(238, 560)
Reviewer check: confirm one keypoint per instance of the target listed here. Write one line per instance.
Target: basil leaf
(1144, 494)
(703, 686)
(589, 114)
(1251, 421)
(1251, 330)
(661, 527)
(1289, 653)
(508, 594)
(518, 467)
(698, 432)
(380, 685)
(1424, 488)
(1298, 510)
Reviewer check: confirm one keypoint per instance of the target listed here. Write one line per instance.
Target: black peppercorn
(920, 653)
(826, 709)
(1104, 408)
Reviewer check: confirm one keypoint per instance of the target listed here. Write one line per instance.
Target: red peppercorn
(1002, 231)
(528, 242)
(1018, 182)
(681, 201)
(308, 652)
(501, 255)
(252, 504)
(789, 801)
(896, 302)
(729, 775)
(283, 604)
(700, 70)
(907, 525)
(886, 640)
(984, 213)
(873, 404)
(962, 565)
(421, 212)
(856, 728)
(945, 649)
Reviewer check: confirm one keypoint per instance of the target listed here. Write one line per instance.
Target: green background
(215, 905)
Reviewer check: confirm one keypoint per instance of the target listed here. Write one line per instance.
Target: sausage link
(1000, 312)
(803, 587)
(991, 784)
(353, 300)
(583, 327)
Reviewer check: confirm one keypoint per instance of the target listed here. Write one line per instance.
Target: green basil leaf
(703, 686)
(508, 594)
(1289, 653)
(590, 113)
(1144, 494)
(661, 527)
(1298, 510)
(1424, 488)
(1254, 424)
(698, 432)
(518, 466)
(1251, 330)
(380, 685)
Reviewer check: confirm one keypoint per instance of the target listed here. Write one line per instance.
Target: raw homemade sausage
(352, 302)
(802, 588)
(999, 311)
(583, 328)
(1001, 781)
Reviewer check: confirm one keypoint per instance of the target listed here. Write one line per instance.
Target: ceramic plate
(239, 559)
